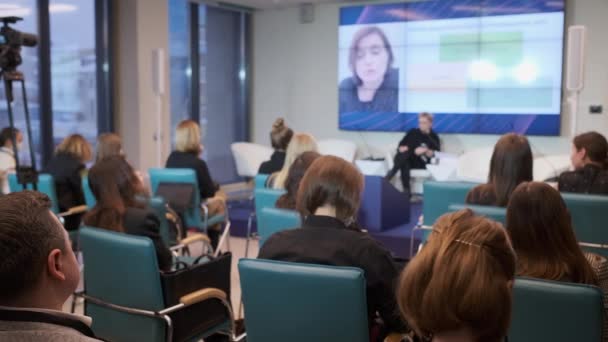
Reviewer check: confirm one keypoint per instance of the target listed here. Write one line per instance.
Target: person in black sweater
(67, 168)
(280, 136)
(590, 161)
(121, 205)
(374, 86)
(185, 156)
(328, 201)
(415, 150)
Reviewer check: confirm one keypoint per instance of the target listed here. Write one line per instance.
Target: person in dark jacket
(187, 149)
(416, 149)
(280, 136)
(511, 165)
(328, 201)
(374, 85)
(590, 161)
(116, 187)
(67, 168)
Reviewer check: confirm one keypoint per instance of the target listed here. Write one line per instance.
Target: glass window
(73, 68)
(27, 10)
(179, 61)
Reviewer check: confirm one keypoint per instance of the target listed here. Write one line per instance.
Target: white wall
(295, 72)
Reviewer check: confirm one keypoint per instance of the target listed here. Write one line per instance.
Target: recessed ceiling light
(62, 8)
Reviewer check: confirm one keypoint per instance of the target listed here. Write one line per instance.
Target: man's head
(38, 267)
(6, 136)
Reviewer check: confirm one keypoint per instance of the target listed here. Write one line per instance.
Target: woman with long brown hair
(458, 288)
(510, 165)
(116, 188)
(589, 158)
(540, 228)
(294, 178)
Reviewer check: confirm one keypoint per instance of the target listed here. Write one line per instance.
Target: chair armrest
(195, 238)
(74, 210)
(202, 295)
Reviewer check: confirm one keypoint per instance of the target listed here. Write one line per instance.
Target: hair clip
(469, 243)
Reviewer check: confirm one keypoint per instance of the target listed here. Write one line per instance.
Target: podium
(382, 206)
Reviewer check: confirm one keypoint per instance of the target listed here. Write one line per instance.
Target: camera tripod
(25, 175)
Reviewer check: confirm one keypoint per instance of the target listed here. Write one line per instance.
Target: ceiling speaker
(575, 58)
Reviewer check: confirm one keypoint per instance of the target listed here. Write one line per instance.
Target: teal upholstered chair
(589, 214)
(45, 184)
(555, 311)
(123, 292)
(437, 198)
(262, 198)
(303, 303)
(273, 220)
(89, 198)
(259, 181)
(498, 214)
(192, 217)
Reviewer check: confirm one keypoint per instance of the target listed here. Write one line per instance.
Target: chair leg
(248, 237)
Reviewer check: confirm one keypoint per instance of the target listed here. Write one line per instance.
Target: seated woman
(541, 231)
(328, 201)
(458, 288)
(415, 150)
(117, 188)
(280, 136)
(511, 165)
(67, 167)
(590, 161)
(296, 173)
(108, 145)
(300, 143)
(188, 147)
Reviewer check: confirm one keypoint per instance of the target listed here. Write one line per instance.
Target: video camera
(11, 41)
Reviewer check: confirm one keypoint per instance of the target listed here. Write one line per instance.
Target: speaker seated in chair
(459, 286)
(415, 150)
(329, 197)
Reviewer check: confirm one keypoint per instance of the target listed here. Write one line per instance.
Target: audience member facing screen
(294, 177)
(116, 188)
(589, 158)
(374, 84)
(67, 167)
(39, 272)
(328, 201)
(458, 288)
(188, 147)
(511, 164)
(7, 155)
(108, 145)
(280, 136)
(300, 143)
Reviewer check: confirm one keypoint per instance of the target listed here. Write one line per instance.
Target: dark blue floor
(396, 239)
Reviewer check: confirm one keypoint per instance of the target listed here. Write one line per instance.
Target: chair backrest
(589, 213)
(89, 198)
(122, 269)
(248, 157)
(273, 220)
(302, 303)
(259, 181)
(45, 184)
(555, 311)
(192, 216)
(438, 196)
(498, 214)
(265, 198)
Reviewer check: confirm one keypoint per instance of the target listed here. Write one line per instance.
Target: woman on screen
(374, 84)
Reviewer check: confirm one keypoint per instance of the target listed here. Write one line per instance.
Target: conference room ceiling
(269, 4)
